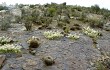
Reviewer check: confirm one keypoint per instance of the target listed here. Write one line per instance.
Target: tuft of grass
(52, 35)
(7, 48)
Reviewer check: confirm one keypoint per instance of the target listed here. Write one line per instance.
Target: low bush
(98, 23)
(5, 23)
(28, 26)
(61, 24)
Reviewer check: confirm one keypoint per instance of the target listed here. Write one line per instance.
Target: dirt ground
(69, 54)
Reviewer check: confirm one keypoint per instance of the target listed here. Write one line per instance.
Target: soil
(68, 54)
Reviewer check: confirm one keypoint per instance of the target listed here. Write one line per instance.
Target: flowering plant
(71, 36)
(91, 32)
(10, 48)
(5, 40)
(52, 35)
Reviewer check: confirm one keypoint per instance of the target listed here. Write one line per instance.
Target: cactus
(33, 42)
(48, 60)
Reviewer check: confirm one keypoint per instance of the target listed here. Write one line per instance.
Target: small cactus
(33, 42)
(48, 60)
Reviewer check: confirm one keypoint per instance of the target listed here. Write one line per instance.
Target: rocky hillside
(54, 37)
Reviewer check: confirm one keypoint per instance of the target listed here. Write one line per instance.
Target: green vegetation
(63, 14)
(5, 23)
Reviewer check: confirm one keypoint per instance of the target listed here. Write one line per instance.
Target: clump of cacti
(48, 60)
(7, 48)
(5, 40)
(73, 36)
(52, 35)
(91, 32)
(33, 42)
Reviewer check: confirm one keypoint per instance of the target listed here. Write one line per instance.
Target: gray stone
(2, 59)
(107, 26)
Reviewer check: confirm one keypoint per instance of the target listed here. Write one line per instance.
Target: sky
(87, 3)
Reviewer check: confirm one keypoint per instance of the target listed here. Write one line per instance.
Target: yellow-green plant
(91, 32)
(52, 35)
(73, 36)
(5, 40)
(10, 48)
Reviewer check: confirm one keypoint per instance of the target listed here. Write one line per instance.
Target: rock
(107, 27)
(33, 52)
(2, 59)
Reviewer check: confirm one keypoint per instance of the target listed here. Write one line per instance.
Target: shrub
(7, 48)
(5, 23)
(91, 32)
(33, 42)
(52, 35)
(61, 24)
(95, 9)
(73, 37)
(28, 22)
(66, 29)
(5, 40)
(95, 22)
(28, 26)
(75, 27)
(51, 11)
